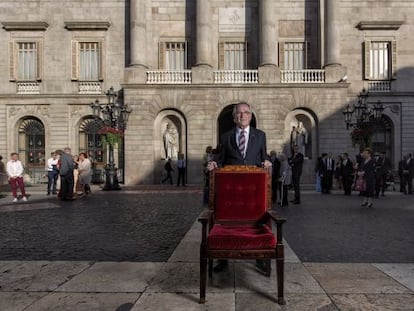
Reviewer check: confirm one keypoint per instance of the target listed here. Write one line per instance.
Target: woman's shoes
(370, 205)
(365, 204)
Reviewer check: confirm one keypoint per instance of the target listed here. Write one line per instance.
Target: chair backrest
(239, 193)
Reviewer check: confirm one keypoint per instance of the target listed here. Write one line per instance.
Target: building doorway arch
(382, 137)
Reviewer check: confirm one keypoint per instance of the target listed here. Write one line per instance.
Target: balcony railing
(379, 86)
(302, 76)
(90, 87)
(169, 77)
(236, 76)
(28, 87)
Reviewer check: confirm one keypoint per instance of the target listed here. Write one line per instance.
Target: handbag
(361, 184)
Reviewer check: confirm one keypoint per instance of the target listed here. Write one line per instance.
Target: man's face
(243, 116)
(15, 157)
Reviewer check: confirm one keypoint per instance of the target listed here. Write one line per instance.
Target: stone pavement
(174, 284)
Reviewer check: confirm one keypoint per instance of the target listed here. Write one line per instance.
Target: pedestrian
(296, 163)
(85, 173)
(367, 172)
(168, 169)
(14, 169)
(52, 173)
(66, 168)
(318, 168)
(286, 179)
(401, 166)
(337, 173)
(3, 174)
(382, 169)
(275, 175)
(242, 145)
(347, 174)
(181, 166)
(408, 174)
(327, 170)
(208, 157)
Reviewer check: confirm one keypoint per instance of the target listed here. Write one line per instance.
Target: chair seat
(241, 237)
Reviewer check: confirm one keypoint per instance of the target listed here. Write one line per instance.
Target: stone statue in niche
(171, 142)
(299, 137)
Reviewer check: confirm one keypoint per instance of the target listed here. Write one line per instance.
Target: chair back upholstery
(239, 194)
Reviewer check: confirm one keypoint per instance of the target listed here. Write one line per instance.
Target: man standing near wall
(66, 175)
(15, 171)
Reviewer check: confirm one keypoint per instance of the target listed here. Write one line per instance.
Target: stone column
(268, 70)
(136, 73)
(332, 33)
(203, 71)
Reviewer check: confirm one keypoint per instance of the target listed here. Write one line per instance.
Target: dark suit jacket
(231, 155)
(347, 170)
(296, 162)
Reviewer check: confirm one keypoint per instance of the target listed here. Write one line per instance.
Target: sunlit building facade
(180, 65)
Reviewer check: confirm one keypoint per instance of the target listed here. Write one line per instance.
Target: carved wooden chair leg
(280, 281)
(203, 279)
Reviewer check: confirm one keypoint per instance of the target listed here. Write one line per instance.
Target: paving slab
(375, 302)
(84, 302)
(347, 278)
(113, 277)
(38, 275)
(18, 300)
(297, 302)
(403, 273)
(184, 302)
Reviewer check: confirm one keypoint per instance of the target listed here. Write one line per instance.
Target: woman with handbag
(366, 178)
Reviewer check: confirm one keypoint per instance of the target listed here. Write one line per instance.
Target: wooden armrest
(277, 219)
(204, 217)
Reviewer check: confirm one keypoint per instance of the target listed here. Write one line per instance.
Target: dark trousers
(408, 184)
(347, 183)
(380, 184)
(326, 182)
(284, 195)
(66, 186)
(296, 186)
(169, 177)
(181, 176)
(52, 178)
(17, 183)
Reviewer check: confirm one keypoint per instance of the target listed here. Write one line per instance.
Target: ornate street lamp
(114, 115)
(362, 113)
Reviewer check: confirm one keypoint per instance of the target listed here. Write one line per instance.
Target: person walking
(52, 173)
(242, 145)
(286, 179)
(181, 166)
(66, 168)
(168, 169)
(367, 172)
(275, 175)
(327, 172)
(408, 174)
(14, 170)
(3, 174)
(296, 162)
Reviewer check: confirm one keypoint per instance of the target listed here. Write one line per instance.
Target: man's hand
(267, 165)
(211, 165)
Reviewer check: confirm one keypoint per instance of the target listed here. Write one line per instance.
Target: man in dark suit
(327, 173)
(296, 162)
(408, 172)
(243, 145)
(347, 173)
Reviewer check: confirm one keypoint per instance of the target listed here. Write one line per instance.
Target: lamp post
(362, 113)
(114, 115)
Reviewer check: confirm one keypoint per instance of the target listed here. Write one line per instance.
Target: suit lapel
(251, 142)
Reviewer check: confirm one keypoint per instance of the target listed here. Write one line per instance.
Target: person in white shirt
(85, 172)
(52, 173)
(14, 169)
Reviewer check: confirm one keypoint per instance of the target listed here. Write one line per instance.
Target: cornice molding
(87, 25)
(25, 25)
(379, 25)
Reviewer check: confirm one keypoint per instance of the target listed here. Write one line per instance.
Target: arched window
(90, 141)
(381, 138)
(32, 143)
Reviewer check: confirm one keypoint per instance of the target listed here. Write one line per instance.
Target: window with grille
(294, 54)
(174, 55)
(234, 55)
(25, 60)
(90, 141)
(32, 142)
(380, 60)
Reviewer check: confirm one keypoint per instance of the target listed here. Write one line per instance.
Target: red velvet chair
(238, 224)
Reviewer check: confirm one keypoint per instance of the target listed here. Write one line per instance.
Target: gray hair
(238, 104)
(66, 150)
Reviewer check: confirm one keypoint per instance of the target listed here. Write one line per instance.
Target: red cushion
(240, 195)
(241, 237)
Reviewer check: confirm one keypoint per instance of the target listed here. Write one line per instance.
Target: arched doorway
(225, 121)
(31, 147)
(381, 140)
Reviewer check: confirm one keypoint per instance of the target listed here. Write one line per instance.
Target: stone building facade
(182, 64)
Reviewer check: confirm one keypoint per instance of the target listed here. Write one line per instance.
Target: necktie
(242, 142)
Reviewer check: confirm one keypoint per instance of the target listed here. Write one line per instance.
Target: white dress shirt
(14, 168)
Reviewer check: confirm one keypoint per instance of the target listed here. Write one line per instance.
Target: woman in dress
(85, 172)
(367, 171)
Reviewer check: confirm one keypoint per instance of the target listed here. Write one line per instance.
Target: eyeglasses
(239, 113)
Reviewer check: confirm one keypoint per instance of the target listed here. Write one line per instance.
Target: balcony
(90, 87)
(236, 76)
(379, 86)
(28, 87)
(169, 77)
(302, 76)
